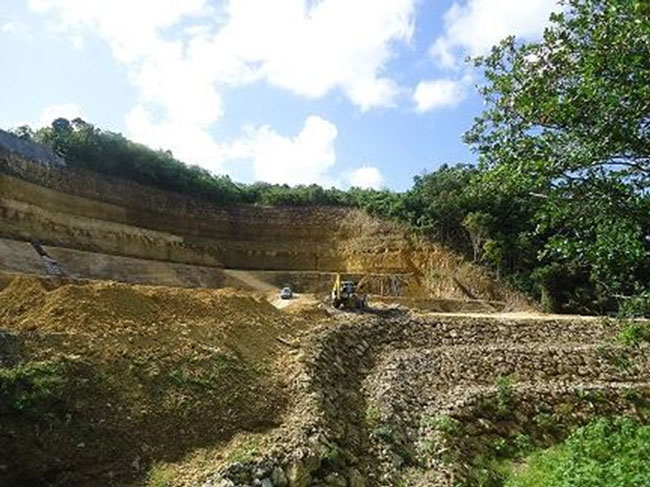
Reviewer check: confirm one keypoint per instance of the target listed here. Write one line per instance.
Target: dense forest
(558, 203)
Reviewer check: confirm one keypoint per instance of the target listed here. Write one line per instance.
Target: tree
(478, 227)
(25, 132)
(568, 121)
(574, 106)
(440, 200)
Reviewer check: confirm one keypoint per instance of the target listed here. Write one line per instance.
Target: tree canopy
(568, 122)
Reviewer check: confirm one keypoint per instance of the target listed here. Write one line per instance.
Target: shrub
(637, 306)
(445, 424)
(605, 453)
(634, 333)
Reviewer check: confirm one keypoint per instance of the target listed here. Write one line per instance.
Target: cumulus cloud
(52, 112)
(475, 26)
(16, 29)
(188, 142)
(472, 27)
(308, 48)
(311, 48)
(9, 28)
(438, 93)
(366, 177)
(181, 55)
(276, 158)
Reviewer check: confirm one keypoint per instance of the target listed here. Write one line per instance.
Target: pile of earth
(99, 381)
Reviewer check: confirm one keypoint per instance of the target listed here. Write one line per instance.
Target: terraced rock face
(415, 400)
(84, 219)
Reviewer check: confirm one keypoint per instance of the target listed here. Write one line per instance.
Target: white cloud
(276, 158)
(9, 28)
(311, 48)
(188, 142)
(438, 93)
(52, 112)
(366, 177)
(181, 54)
(131, 28)
(472, 27)
(476, 25)
(16, 29)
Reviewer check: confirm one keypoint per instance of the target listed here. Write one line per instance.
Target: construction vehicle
(286, 293)
(344, 295)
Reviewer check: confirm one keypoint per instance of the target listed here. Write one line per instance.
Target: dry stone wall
(413, 400)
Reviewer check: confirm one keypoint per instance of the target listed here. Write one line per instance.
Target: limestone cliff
(70, 209)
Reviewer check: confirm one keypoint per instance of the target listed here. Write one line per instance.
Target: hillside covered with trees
(559, 200)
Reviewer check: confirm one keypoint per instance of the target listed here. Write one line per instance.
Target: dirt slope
(99, 381)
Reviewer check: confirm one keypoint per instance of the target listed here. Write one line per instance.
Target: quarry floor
(118, 384)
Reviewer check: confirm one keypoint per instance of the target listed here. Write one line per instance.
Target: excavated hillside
(115, 384)
(142, 343)
(97, 227)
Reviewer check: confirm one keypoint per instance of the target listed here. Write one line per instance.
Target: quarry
(143, 343)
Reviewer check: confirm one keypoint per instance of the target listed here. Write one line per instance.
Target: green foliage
(487, 471)
(220, 370)
(332, 455)
(160, 475)
(633, 395)
(443, 423)
(620, 361)
(504, 394)
(89, 148)
(439, 202)
(32, 386)
(545, 421)
(590, 396)
(513, 447)
(373, 416)
(521, 444)
(634, 333)
(500, 446)
(567, 123)
(385, 432)
(499, 404)
(636, 306)
(246, 450)
(605, 453)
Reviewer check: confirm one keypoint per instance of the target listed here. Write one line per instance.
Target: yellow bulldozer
(345, 295)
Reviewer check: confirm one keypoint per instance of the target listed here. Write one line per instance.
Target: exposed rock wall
(67, 208)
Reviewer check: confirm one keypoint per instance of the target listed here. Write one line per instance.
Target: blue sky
(335, 92)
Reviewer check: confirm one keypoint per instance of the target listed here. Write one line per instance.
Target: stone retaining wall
(372, 388)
